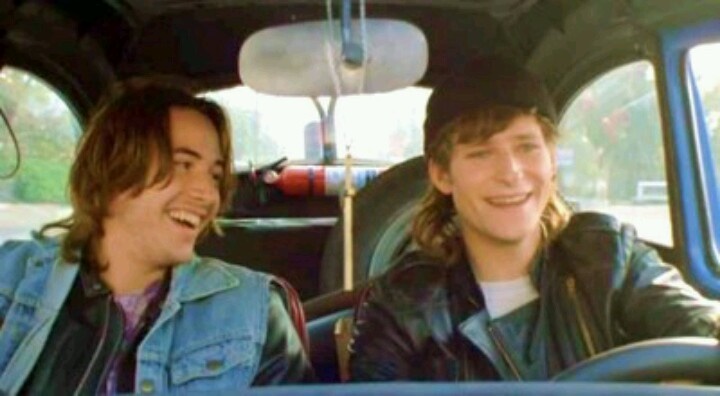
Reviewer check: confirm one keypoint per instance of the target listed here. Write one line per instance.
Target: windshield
(379, 128)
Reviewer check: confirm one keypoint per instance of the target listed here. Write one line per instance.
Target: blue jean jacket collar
(191, 281)
(50, 269)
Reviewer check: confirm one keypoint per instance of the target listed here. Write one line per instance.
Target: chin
(182, 257)
(512, 237)
(508, 240)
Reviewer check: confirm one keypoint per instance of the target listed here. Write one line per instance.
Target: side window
(610, 156)
(703, 59)
(46, 131)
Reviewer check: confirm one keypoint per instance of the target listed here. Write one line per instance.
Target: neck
(495, 260)
(124, 270)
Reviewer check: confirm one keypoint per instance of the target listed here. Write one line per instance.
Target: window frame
(692, 169)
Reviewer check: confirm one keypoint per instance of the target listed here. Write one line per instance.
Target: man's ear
(439, 177)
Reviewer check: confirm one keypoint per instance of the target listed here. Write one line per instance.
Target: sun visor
(306, 59)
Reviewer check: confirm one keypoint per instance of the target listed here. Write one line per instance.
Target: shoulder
(37, 247)
(276, 288)
(598, 239)
(210, 266)
(588, 229)
(210, 289)
(207, 280)
(415, 278)
(22, 253)
(17, 258)
(584, 222)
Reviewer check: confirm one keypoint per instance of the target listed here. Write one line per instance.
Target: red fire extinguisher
(317, 180)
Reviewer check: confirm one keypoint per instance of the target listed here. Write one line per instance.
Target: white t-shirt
(502, 297)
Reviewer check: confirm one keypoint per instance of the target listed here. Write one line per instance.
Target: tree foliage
(614, 134)
(46, 130)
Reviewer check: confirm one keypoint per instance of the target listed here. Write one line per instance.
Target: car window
(385, 127)
(704, 60)
(611, 157)
(46, 130)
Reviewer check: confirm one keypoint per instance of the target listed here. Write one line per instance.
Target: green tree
(46, 131)
(615, 127)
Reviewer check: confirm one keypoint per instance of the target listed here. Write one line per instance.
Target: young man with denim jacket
(507, 283)
(119, 302)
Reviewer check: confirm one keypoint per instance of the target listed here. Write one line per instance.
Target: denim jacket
(181, 352)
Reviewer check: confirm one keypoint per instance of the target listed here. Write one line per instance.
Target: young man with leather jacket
(507, 283)
(119, 302)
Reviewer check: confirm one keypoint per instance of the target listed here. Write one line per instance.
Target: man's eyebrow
(526, 136)
(195, 154)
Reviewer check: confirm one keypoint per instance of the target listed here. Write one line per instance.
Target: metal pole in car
(348, 195)
(354, 56)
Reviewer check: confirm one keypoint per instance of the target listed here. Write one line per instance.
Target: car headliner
(82, 46)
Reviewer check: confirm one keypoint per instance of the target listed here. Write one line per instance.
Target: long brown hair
(434, 227)
(127, 134)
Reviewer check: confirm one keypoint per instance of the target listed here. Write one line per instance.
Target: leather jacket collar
(517, 337)
(91, 284)
(465, 295)
(466, 299)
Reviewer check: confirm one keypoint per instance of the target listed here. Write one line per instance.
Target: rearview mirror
(305, 59)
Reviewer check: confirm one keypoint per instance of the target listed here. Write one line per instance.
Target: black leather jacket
(599, 288)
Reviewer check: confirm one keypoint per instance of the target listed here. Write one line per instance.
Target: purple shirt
(133, 307)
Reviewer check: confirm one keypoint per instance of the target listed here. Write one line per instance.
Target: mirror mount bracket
(353, 55)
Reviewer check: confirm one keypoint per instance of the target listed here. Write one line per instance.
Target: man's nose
(508, 168)
(203, 187)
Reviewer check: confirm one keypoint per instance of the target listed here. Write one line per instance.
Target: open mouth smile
(186, 219)
(508, 200)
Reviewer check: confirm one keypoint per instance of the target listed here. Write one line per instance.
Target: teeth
(184, 217)
(507, 200)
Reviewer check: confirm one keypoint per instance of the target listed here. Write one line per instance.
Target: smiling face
(159, 226)
(501, 185)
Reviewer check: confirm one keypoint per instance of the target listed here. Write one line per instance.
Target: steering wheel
(694, 359)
